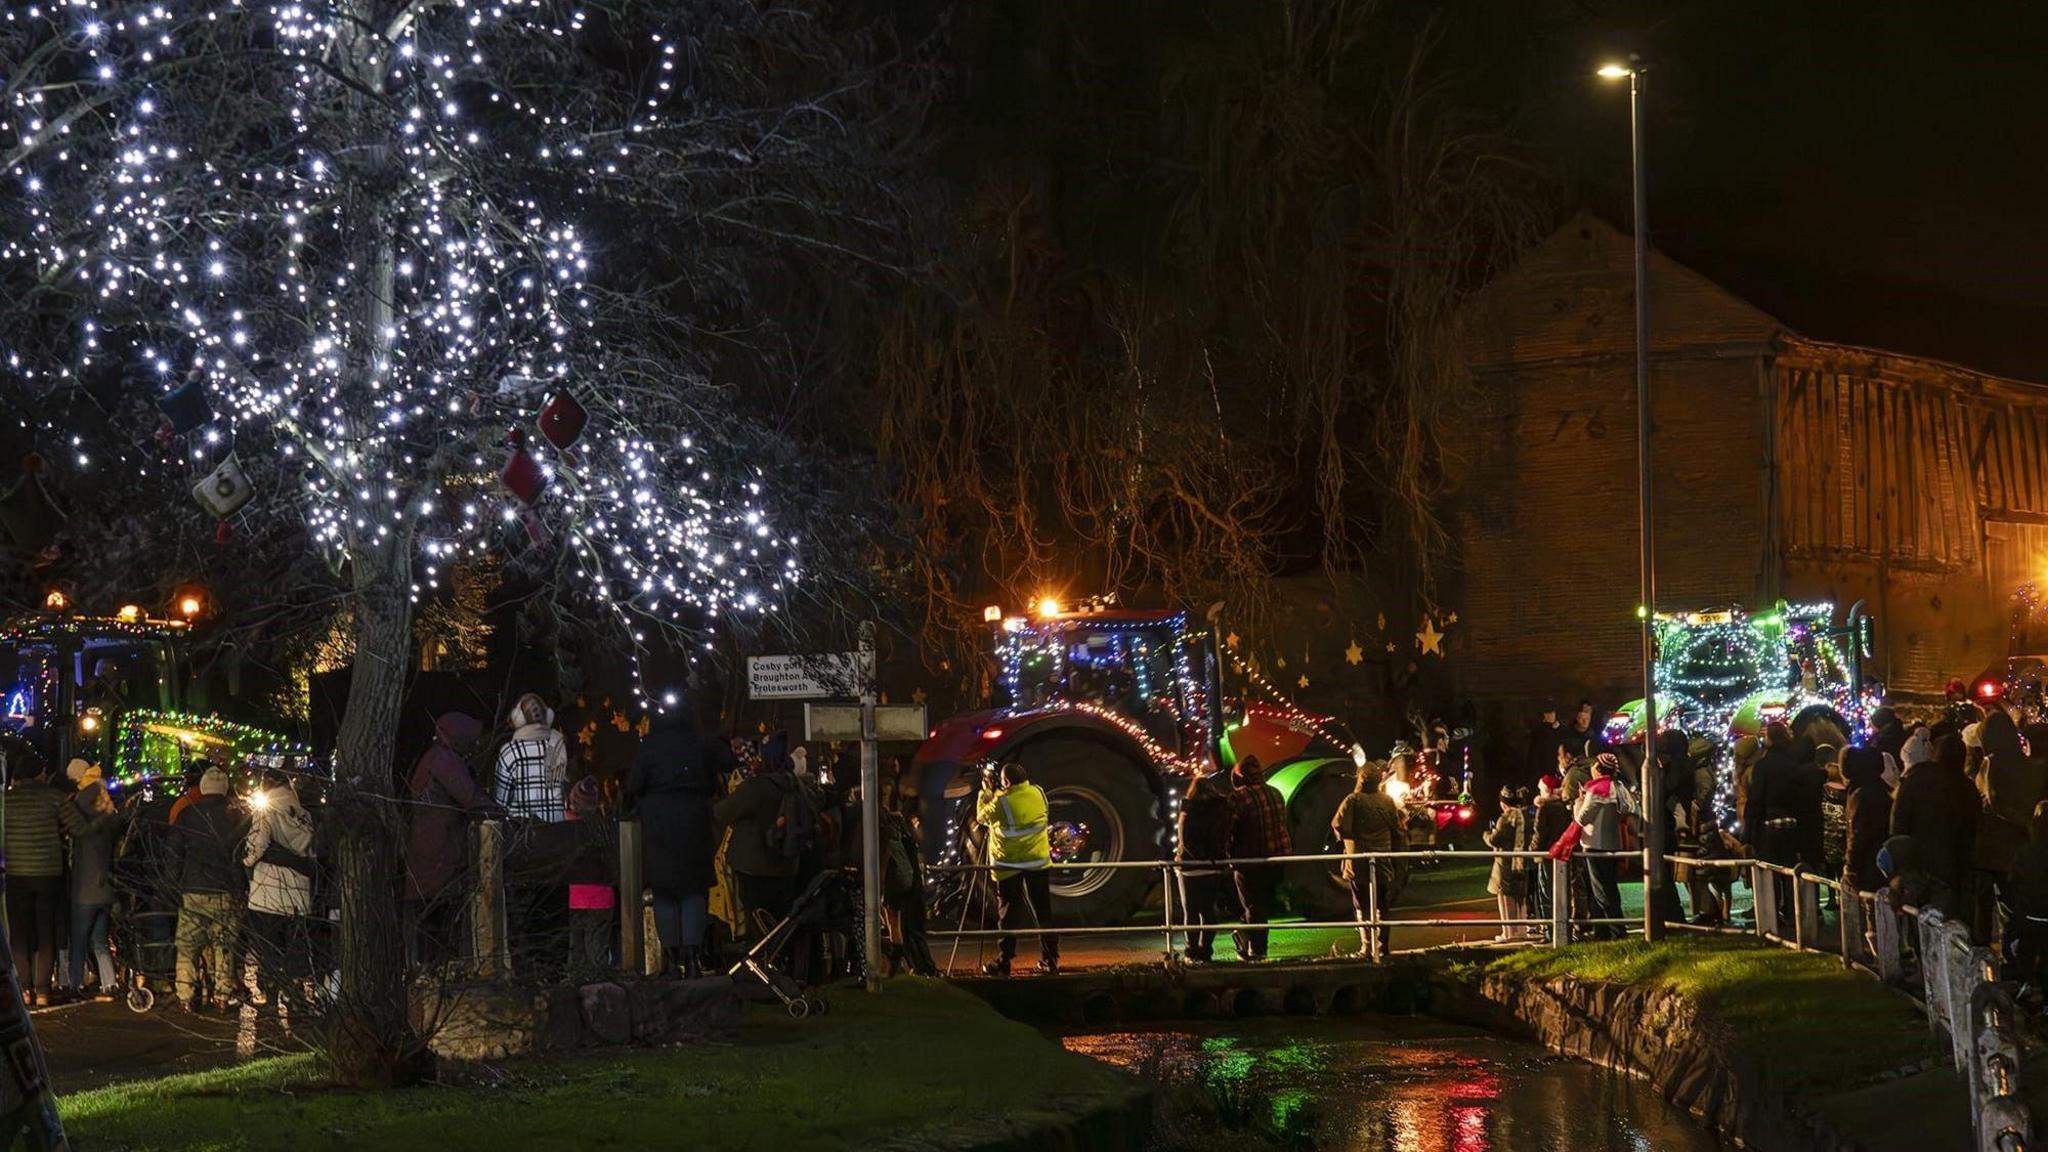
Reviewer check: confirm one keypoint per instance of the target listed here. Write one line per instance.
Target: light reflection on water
(1404, 1085)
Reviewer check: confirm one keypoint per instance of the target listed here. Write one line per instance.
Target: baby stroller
(830, 902)
(143, 942)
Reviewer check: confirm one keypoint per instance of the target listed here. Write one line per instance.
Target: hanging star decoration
(1450, 619)
(1390, 645)
(1431, 640)
(917, 696)
(1354, 655)
(1230, 641)
(1303, 682)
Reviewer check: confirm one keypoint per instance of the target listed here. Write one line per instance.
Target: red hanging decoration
(522, 475)
(223, 533)
(562, 420)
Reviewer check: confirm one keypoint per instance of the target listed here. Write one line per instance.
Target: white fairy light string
(368, 263)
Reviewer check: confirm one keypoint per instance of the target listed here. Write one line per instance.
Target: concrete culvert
(1246, 1002)
(1299, 1001)
(1198, 1005)
(1101, 1008)
(1348, 1000)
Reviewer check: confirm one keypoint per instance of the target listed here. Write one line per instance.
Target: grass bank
(921, 1065)
(1804, 1021)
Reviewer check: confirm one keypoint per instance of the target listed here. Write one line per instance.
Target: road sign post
(870, 817)
(869, 722)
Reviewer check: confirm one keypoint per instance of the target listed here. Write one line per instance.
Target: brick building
(1785, 467)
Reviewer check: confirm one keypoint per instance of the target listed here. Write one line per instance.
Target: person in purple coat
(442, 792)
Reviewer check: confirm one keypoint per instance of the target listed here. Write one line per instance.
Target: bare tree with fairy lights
(422, 278)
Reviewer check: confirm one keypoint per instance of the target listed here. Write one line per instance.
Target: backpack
(795, 830)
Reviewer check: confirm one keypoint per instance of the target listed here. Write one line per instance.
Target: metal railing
(1557, 922)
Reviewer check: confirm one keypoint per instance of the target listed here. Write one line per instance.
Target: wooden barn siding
(1869, 469)
(1888, 469)
(1546, 522)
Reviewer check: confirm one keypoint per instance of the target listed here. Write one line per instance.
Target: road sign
(809, 677)
(842, 722)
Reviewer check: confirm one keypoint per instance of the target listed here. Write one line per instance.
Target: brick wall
(1546, 524)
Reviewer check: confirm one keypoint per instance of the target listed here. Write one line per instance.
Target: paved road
(90, 1044)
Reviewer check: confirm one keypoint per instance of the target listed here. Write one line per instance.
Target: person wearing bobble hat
(205, 864)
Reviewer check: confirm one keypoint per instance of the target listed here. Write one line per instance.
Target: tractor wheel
(1101, 808)
(1318, 890)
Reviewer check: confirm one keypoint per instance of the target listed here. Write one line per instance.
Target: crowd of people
(734, 835)
(214, 891)
(1949, 812)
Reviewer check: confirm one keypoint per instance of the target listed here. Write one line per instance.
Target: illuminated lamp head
(190, 604)
(56, 601)
(129, 613)
(993, 614)
(1049, 606)
(89, 722)
(1990, 688)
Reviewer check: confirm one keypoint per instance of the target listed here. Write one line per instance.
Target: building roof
(1572, 297)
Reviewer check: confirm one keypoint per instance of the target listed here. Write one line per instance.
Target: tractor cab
(110, 690)
(1149, 671)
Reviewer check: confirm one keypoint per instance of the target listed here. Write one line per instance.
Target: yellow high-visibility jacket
(1015, 818)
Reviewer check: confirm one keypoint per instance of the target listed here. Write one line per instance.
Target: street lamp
(1657, 888)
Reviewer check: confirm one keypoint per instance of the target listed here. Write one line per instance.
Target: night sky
(1870, 173)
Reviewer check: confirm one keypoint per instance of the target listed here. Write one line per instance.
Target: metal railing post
(1806, 898)
(632, 922)
(1884, 935)
(1763, 899)
(1560, 903)
(1851, 925)
(1372, 907)
(1167, 878)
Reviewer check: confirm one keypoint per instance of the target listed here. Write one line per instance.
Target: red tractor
(1112, 711)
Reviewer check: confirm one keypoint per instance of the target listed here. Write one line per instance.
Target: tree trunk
(373, 1043)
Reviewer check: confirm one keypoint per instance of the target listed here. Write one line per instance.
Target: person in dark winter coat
(94, 834)
(1770, 818)
(1546, 736)
(2026, 903)
(1204, 834)
(1868, 814)
(1553, 816)
(675, 779)
(1936, 807)
(2012, 782)
(764, 862)
(443, 794)
(1912, 885)
(205, 863)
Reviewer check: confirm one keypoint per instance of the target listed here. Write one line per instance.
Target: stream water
(1392, 1084)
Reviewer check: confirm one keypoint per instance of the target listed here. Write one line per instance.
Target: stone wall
(1652, 1033)
(496, 1021)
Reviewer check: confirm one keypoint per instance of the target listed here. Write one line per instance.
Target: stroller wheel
(141, 1000)
(799, 1008)
(819, 1005)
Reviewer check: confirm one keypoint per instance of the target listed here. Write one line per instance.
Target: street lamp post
(1657, 870)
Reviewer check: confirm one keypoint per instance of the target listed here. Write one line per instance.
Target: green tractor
(1725, 673)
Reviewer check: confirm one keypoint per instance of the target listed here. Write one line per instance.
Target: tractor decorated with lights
(1112, 711)
(1726, 673)
(111, 690)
